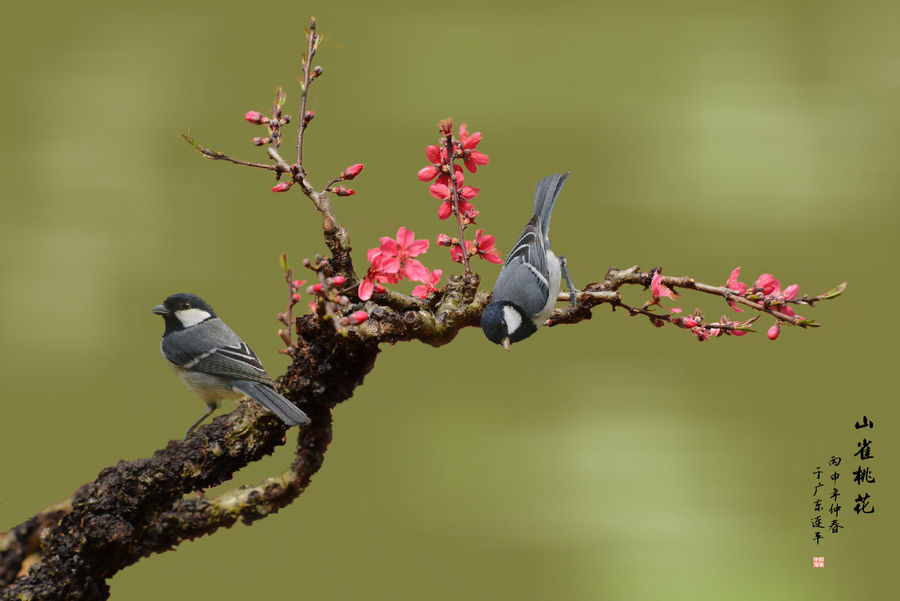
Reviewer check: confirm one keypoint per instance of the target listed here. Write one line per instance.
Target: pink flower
(484, 248)
(375, 274)
(737, 286)
(397, 255)
(255, 117)
(471, 157)
(352, 171)
(767, 284)
(442, 192)
(339, 280)
(429, 286)
(436, 155)
(456, 252)
(774, 331)
(790, 293)
(658, 290)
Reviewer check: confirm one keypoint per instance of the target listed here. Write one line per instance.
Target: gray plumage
(531, 259)
(213, 361)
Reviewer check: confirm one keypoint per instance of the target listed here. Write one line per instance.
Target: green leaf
(835, 292)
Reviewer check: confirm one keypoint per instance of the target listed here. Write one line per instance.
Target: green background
(608, 460)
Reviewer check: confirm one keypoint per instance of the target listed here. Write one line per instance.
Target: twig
(312, 43)
(447, 127)
(215, 155)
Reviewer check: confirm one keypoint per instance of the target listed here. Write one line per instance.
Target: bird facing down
(528, 284)
(213, 361)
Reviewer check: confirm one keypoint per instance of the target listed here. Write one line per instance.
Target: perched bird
(528, 284)
(213, 361)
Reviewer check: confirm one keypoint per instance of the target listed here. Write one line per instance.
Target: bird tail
(545, 194)
(274, 402)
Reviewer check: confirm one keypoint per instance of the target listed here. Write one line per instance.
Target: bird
(214, 363)
(529, 282)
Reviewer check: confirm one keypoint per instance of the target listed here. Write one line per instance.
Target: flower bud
(445, 240)
(259, 141)
(308, 117)
(281, 187)
(352, 171)
(285, 119)
(297, 283)
(316, 288)
(774, 331)
(255, 117)
(380, 289)
(282, 258)
(357, 317)
(317, 71)
(339, 280)
(295, 298)
(342, 191)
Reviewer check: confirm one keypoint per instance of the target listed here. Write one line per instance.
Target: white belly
(555, 275)
(207, 387)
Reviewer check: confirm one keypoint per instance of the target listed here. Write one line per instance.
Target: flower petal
(365, 289)
(414, 270)
(439, 191)
(426, 174)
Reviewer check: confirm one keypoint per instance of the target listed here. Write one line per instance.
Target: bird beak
(505, 344)
(159, 310)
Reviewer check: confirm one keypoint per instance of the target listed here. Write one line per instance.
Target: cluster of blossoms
(766, 291)
(276, 122)
(329, 300)
(394, 259)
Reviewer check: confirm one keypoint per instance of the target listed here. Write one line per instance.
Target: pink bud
(444, 240)
(357, 317)
(317, 288)
(773, 332)
(339, 280)
(259, 141)
(342, 191)
(380, 289)
(285, 119)
(295, 299)
(281, 187)
(308, 117)
(297, 283)
(352, 171)
(255, 117)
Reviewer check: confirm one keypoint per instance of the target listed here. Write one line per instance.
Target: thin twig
(454, 194)
(312, 41)
(215, 155)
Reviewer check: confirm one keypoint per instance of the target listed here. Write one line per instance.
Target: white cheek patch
(512, 318)
(191, 317)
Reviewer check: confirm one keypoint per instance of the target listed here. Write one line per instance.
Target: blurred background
(608, 460)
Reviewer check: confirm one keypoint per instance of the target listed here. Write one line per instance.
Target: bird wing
(212, 347)
(526, 262)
